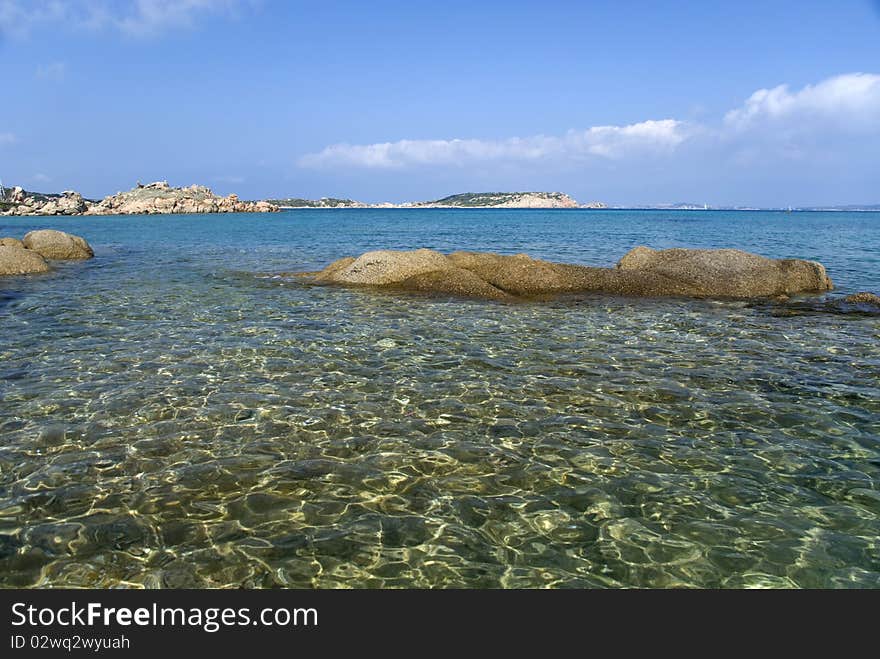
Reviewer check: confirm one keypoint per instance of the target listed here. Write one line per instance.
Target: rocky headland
(644, 272)
(151, 199)
(464, 200)
(502, 200)
(31, 254)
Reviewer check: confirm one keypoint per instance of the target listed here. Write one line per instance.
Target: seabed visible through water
(172, 417)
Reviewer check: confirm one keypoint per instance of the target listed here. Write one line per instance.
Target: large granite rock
(53, 244)
(11, 242)
(20, 261)
(384, 267)
(728, 272)
(419, 270)
(642, 272)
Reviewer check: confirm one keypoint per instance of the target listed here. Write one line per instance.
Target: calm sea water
(171, 416)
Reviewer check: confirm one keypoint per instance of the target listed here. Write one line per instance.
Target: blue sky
(760, 103)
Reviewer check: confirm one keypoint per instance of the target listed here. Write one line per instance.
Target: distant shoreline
(159, 198)
(596, 210)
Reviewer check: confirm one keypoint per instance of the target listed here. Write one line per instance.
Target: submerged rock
(864, 297)
(723, 273)
(53, 244)
(21, 261)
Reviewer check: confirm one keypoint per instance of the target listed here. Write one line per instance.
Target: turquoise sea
(174, 414)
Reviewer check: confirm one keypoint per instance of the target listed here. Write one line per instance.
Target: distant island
(462, 200)
(323, 202)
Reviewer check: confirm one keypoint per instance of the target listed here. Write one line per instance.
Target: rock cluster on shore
(68, 203)
(717, 273)
(160, 197)
(154, 198)
(31, 254)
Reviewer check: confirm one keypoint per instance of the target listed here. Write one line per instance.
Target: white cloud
(811, 124)
(619, 141)
(41, 178)
(132, 17)
(7, 138)
(609, 142)
(851, 100)
(237, 180)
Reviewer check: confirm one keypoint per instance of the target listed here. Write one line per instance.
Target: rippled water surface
(170, 416)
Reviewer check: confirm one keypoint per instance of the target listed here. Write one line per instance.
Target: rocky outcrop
(143, 200)
(17, 196)
(641, 272)
(864, 297)
(161, 198)
(11, 242)
(20, 261)
(68, 203)
(58, 245)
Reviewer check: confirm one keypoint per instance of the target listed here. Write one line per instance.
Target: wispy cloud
(139, 18)
(149, 17)
(235, 180)
(7, 138)
(607, 142)
(785, 123)
(51, 71)
(41, 178)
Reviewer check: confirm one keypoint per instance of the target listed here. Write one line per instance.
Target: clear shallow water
(170, 417)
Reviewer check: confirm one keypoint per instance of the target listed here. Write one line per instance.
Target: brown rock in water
(637, 258)
(384, 267)
(11, 242)
(518, 275)
(864, 297)
(454, 281)
(728, 272)
(53, 244)
(21, 261)
(643, 272)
